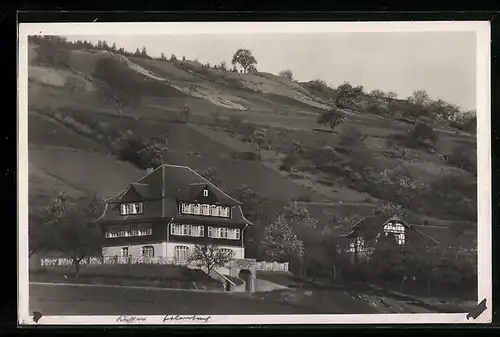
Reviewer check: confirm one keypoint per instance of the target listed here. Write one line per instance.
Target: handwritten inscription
(193, 318)
(131, 319)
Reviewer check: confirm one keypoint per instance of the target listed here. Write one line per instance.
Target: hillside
(73, 134)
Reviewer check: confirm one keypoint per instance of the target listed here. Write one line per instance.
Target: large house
(169, 211)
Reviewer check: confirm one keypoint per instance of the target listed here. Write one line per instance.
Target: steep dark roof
(163, 188)
(176, 182)
(370, 226)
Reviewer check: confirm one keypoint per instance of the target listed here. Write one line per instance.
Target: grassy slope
(267, 107)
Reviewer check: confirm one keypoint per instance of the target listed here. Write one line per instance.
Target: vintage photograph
(192, 174)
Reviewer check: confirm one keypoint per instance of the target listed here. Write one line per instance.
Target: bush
(140, 152)
(464, 158)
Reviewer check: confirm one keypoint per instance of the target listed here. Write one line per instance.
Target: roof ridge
(427, 236)
(148, 174)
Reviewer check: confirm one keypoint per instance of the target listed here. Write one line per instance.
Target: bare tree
(210, 257)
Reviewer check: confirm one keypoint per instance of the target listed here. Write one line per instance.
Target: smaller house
(365, 233)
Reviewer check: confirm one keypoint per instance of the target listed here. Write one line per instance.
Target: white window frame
(205, 209)
(205, 193)
(125, 250)
(224, 233)
(181, 252)
(131, 208)
(148, 248)
(197, 209)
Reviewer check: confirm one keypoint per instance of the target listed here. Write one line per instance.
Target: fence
(98, 260)
(271, 266)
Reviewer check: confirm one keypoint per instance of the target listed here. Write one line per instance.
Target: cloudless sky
(443, 63)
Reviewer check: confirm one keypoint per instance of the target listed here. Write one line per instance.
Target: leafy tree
(258, 139)
(244, 58)
(346, 95)
(210, 257)
(139, 151)
(420, 98)
(184, 59)
(117, 87)
(252, 69)
(113, 47)
(280, 243)
(391, 209)
(162, 56)
(287, 74)
(223, 66)
(333, 118)
(137, 52)
(391, 95)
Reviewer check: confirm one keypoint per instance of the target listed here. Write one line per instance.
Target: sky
(442, 63)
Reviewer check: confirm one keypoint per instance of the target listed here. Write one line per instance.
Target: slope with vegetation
(99, 116)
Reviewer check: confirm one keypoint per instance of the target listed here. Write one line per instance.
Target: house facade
(169, 211)
(363, 235)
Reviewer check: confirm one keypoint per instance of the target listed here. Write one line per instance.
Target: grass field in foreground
(164, 276)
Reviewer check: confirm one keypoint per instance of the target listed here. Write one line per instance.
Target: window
(148, 251)
(357, 245)
(187, 230)
(205, 209)
(227, 251)
(397, 230)
(125, 251)
(181, 253)
(224, 233)
(225, 212)
(197, 210)
(130, 230)
(128, 209)
(185, 208)
(205, 193)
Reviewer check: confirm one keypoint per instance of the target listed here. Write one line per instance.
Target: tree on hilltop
(244, 58)
(286, 74)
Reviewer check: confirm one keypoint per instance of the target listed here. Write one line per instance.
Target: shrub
(464, 158)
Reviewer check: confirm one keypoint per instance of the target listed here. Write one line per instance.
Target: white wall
(164, 249)
(238, 251)
(136, 250)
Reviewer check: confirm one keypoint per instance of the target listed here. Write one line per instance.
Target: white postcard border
(482, 28)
